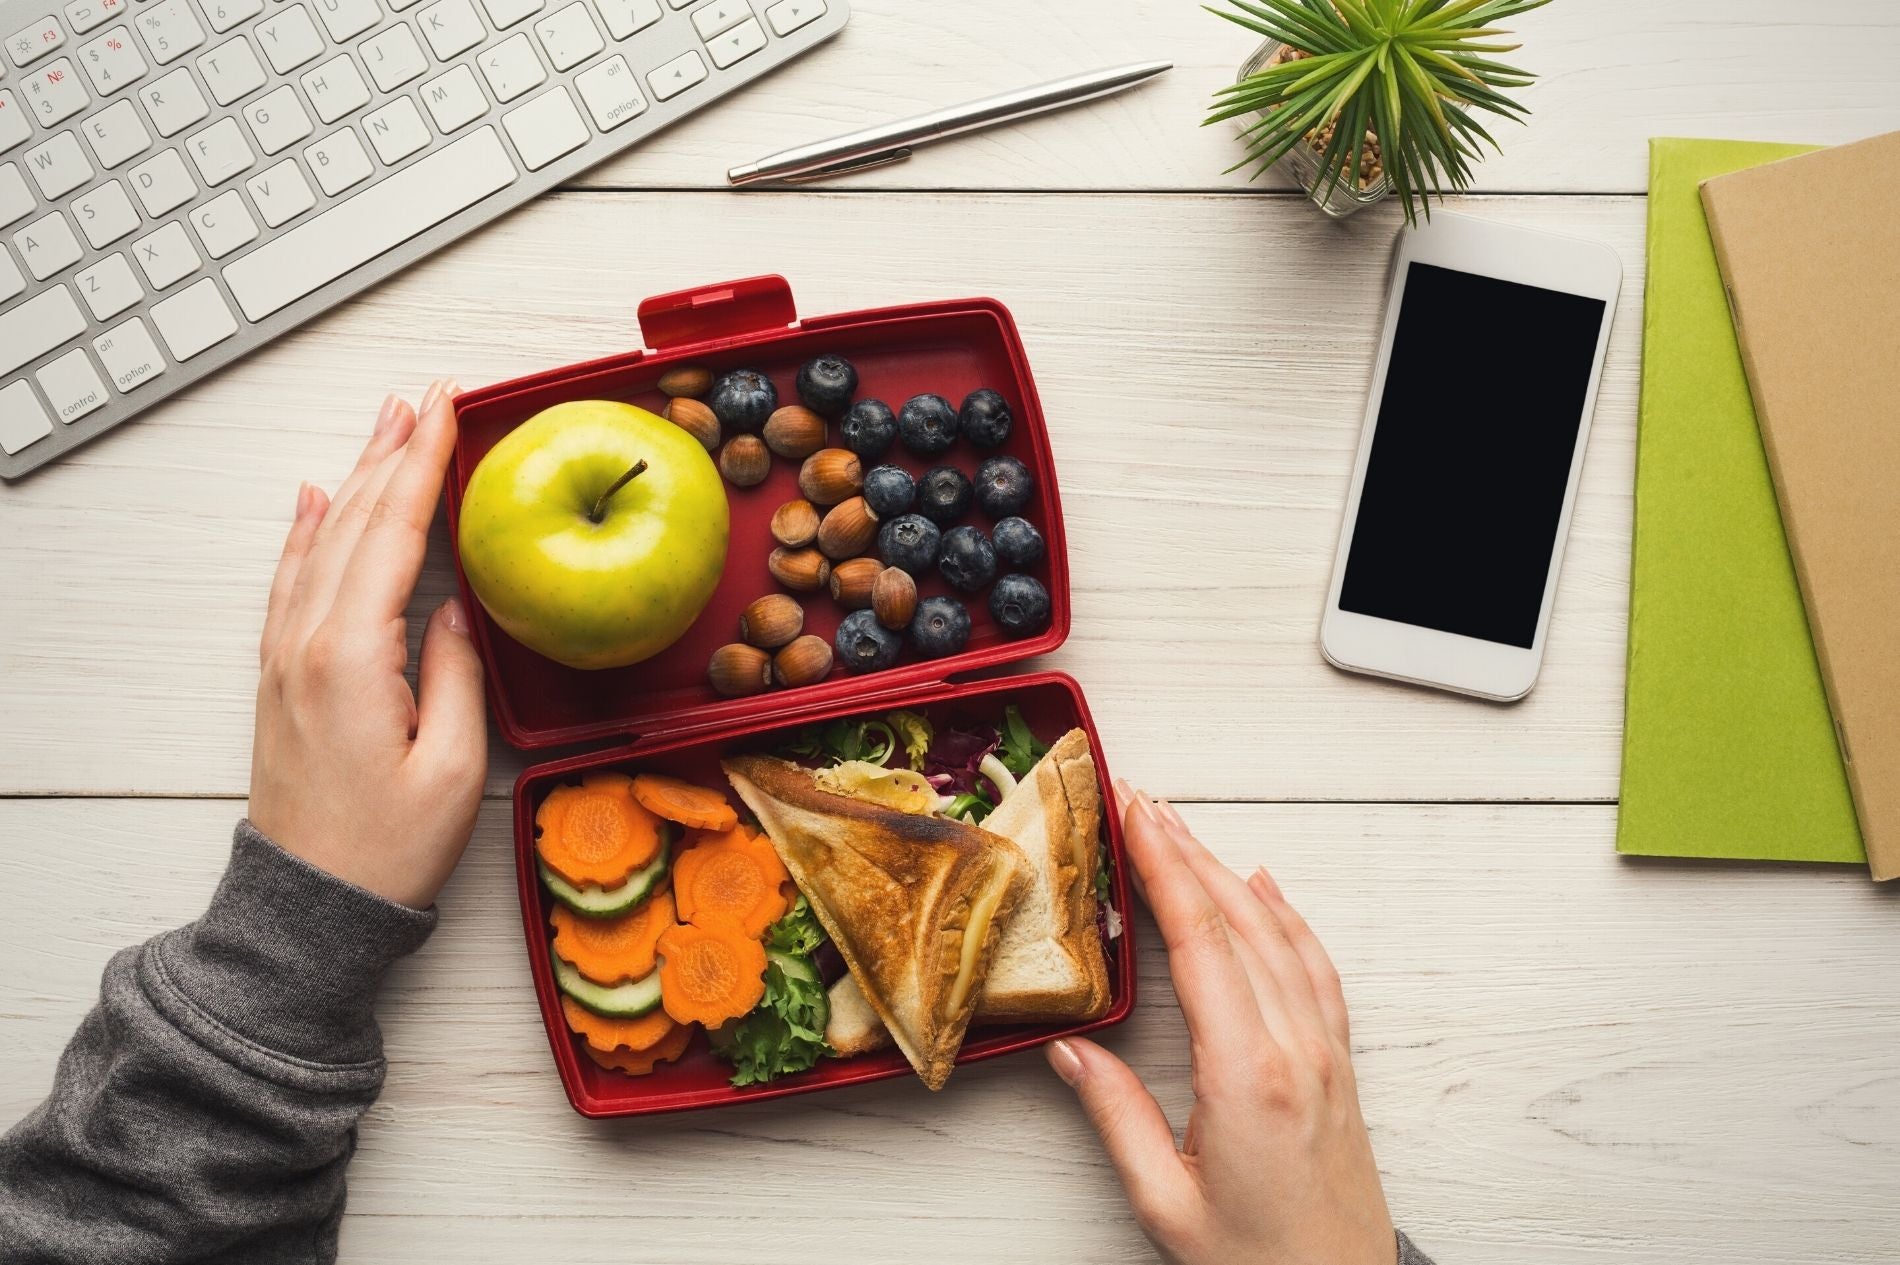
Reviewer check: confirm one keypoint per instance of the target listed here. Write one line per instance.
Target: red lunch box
(661, 715)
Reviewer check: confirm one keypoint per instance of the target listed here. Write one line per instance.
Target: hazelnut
(738, 670)
(830, 475)
(771, 621)
(794, 432)
(803, 662)
(795, 524)
(805, 570)
(744, 461)
(851, 582)
(848, 529)
(695, 419)
(894, 597)
(686, 380)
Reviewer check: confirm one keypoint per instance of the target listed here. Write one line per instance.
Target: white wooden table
(1568, 1058)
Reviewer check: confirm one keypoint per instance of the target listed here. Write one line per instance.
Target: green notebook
(1728, 746)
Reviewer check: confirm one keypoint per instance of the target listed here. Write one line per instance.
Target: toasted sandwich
(916, 905)
(1050, 966)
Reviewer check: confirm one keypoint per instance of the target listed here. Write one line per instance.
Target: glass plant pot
(1336, 198)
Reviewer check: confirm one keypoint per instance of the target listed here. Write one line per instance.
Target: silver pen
(893, 142)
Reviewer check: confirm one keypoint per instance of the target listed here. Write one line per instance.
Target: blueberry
(743, 399)
(943, 495)
(967, 559)
(889, 491)
(985, 418)
(910, 542)
(1003, 486)
(1021, 605)
(869, 428)
(927, 424)
(825, 385)
(864, 645)
(940, 626)
(1017, 542)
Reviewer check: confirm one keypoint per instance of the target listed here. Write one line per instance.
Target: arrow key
(677, 75)
(737, 44)
(788, 15)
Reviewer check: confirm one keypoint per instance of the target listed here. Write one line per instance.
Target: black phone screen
(1477, 424)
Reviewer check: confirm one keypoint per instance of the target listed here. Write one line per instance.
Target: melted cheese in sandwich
(975, 932)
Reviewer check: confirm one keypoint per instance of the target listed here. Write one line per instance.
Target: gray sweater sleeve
(1409, 1255)
(207, 1106)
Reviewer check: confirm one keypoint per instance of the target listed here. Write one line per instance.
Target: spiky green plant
(1410, 71)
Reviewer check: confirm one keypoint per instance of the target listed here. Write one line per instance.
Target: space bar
(354, 231)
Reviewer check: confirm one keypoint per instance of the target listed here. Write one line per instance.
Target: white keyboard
(183, 180)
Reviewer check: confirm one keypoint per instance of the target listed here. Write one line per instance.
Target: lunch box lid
(966, 343)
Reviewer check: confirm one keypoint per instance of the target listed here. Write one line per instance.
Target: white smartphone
(1468, 461)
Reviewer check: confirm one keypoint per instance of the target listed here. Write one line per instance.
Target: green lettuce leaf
(915, 733)
(785, 1032)
(797, 933)
(1020, 749)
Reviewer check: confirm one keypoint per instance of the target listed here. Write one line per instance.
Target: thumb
(1133, 1128)
(450, 725)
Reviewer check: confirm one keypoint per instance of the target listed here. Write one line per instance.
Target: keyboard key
(14, 126)
(231, 71)
(396, 130)
(511, 68)
(451, 27)
(170, 29)
(225, 14)
(112, 61)
(83, 15)
(335, 88)
(15, 198)
(105, 214)
(281, 193)
(355, 231)
(12, 280)
(289, 39)
(454, 99)
(223, 224)
(788, 15)
(624, 17)
(109, 287)
(569, 37)
(546, 128)
(162, 183)
(54, 92)
(737, 44)
(505, 13)
(38, 325)
(73, 385)
(610, 93)
(58, 165)
(393, 57)
(219, 152)
(347, 19)
(47, 245)
(677, 75)
(28, 44)
(166, 256)
(130, 356)
(195, 318)
(278, 120)
(721, 15)
(338, 161)
(116, 133)
(174, 102)
(22, 420)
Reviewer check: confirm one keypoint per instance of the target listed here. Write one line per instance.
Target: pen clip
(882, 158)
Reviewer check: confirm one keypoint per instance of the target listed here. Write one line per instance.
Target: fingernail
(1167, 810)
(430, 396)
(451, 388)
(454, 616)
(386, 416)
(1266, 880)
(1066, 1062)
(304, 491)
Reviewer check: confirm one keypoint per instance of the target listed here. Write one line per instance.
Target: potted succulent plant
(1362, 98)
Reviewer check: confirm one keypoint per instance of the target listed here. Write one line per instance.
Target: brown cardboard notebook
(1810, 251)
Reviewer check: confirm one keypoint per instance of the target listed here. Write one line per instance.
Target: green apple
(594, 533)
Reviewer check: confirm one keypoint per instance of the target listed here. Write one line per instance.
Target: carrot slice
(735, 878)
(614, 950)
(644, 1062)
(678, 800)
(595, 832)
(601, 1032)
(710, 974)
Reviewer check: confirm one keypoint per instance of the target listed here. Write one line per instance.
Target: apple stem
(600, 507)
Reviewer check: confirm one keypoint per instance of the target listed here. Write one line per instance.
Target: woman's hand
(1276, 1167)
(348, 769)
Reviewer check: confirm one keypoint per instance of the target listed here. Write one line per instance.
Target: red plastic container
(662, 715)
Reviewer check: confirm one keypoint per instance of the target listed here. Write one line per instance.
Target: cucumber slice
(622, 1001)
(607, 902)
